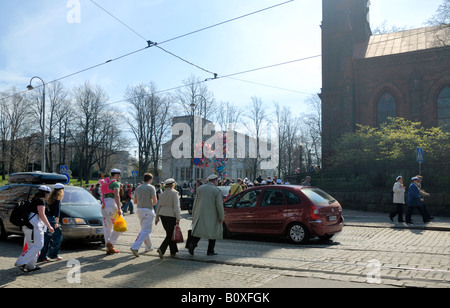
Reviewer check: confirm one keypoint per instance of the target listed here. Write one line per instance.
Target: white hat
(115, 171)
(45, 188)
(58, 186)
(213, 177)
(415, 178)
(399, 177)
(263, 183)
(169, 181)
(279, 181)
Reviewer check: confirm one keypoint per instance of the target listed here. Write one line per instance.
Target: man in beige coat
(207, 215)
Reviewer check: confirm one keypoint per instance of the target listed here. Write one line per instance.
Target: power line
(152, 44)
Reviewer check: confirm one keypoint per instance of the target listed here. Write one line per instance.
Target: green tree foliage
(395, 141)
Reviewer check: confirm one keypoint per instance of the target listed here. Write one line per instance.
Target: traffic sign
(68, 178)
(419, 155)
(63, 168)
(134, 173)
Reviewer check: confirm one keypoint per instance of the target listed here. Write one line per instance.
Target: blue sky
(37, 39)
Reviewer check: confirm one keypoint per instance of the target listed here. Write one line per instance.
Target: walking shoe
(58, 258)
(135, 252)
(191, 249)
(161, 255)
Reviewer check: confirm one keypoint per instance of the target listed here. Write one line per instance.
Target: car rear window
(318, 196)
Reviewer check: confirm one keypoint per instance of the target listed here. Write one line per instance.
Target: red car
(298, 212)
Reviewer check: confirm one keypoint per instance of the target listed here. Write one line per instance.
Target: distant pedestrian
(145, 199)
(207, 215)
(424, 194)
(170, 214)
(111, 210)
(415, 201)
(398, 199)
(307, 181)
(52, 240)
(34, 238)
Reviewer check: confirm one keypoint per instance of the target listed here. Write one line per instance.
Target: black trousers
(169, 224)
(410, 211)
(398, 211)
(211, 243)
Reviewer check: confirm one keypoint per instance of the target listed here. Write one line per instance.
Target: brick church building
(367, 78)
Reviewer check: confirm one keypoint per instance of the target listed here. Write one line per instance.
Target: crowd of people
(43, 234)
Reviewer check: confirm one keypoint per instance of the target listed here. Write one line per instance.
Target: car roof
(36, 178)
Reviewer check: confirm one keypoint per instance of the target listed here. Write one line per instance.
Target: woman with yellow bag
(111, 210)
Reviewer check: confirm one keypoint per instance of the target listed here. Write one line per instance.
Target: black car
(81, 217)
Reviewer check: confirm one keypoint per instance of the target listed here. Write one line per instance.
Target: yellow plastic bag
(120, 225)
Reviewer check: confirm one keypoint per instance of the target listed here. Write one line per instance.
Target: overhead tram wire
(150, 44)
(230, 76)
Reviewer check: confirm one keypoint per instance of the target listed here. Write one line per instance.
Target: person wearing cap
(398, 199)
(207, 215)
(145, 199)
(110, 209)
(34, 238)
(52, 241)
(415, 201)
(170, 214)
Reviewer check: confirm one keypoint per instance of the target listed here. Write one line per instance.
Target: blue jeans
(128, 204)
(52, 241)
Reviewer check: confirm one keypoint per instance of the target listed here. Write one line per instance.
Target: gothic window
(386, 108)
(444, 109)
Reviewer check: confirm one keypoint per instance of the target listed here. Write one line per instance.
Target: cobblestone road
(367, 255)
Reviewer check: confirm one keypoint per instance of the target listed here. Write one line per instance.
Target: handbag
(177, 235)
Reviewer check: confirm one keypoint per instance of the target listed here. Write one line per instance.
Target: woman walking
(34, 238)
(52, 241)
(169, 211)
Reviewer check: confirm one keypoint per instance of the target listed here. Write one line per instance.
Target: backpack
(20, 215)
(104, 186)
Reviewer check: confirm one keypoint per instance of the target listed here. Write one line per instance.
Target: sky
(55, 38)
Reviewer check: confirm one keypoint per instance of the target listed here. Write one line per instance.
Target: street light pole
(30, 87)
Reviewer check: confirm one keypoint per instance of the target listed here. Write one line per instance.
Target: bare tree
(94, 128)
(150, 122)
(257, 119)
(195, 92)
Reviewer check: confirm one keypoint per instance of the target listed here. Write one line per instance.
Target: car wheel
(3, 235)
(297, 233)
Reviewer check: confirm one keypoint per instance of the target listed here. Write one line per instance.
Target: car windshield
(318, 196)
(77, 196)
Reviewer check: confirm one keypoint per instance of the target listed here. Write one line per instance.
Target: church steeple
(345, 25)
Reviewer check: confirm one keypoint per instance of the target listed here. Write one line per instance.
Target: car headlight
(73, 221)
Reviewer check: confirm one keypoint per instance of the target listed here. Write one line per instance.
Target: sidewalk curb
(413, 227)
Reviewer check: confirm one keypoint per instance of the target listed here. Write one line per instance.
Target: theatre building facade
(368, 78)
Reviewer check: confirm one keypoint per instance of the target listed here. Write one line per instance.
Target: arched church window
(444, 109)
(386, 108)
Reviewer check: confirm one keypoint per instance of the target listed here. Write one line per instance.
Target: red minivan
(298, 212)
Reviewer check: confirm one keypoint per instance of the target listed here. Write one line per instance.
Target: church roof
(406, 41)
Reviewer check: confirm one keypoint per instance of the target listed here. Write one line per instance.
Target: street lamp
(192, 105)
(30, 87)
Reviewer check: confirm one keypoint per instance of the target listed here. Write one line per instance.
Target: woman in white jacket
(399, 199)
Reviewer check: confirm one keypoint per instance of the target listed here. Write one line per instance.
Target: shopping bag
(177, 236)
(120, 225)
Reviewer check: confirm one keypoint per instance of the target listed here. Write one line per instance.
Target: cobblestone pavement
(369, 254)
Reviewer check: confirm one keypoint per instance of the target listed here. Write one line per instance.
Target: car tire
(3, 235)
(297, 233)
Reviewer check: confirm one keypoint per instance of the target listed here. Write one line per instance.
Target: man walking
(207, 215)
(145, 198)
(415, 201)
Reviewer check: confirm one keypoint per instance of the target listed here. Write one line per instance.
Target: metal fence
(378, 177)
